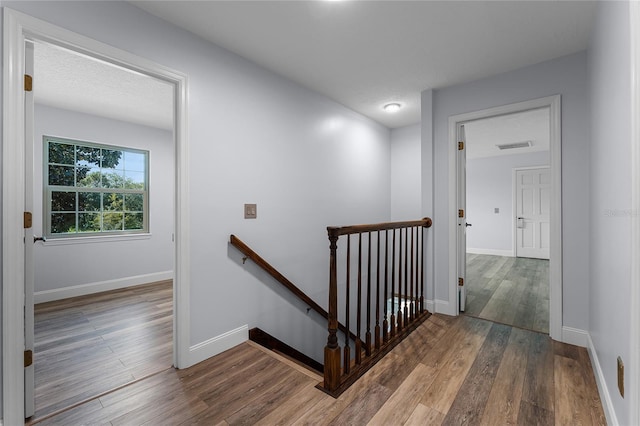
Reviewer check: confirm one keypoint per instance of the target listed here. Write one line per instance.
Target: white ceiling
(362, 54)
(482, 136)
(64, 79)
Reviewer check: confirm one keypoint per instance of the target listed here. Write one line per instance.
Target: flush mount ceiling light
(392, 107)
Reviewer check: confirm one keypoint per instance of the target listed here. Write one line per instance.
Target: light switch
(250, 211)
(496, 210)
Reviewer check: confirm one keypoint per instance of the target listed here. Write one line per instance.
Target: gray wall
(59, 266)
(254, 137)
(610, 207)
(566, 76)
(490, 185)
(406, 196)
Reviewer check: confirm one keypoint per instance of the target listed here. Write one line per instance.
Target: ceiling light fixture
(392, 107)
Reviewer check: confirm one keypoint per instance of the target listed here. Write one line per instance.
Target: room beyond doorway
(509, 290)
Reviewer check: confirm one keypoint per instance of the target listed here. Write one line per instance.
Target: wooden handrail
(355, 229)
(266, 266)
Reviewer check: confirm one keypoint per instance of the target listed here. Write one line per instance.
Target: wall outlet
(250, 211)
(621, 377)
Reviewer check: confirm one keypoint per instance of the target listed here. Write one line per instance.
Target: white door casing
(462, 218)
(17, 28)
(555, 249)
(532, 212)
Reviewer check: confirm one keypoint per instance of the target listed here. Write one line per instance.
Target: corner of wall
(217, 345)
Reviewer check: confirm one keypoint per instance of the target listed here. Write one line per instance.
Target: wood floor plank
(363, 407)
(595, 404)
(423, 415)
(469, 404)
(503, 404)
(532, 415)
(572, 406)
(538, 382)
(402, 403)
(442, 392)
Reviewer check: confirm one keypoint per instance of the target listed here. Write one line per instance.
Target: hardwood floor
(88, 345)
(450, 371)
(508, 290)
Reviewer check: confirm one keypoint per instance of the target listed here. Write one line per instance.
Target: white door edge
(555, 263)
(18, 27)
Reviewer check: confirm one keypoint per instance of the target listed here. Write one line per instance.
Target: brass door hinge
(28, 220)
(460, 213)
(460, 146)
(28, 83)
(28, 358)
(461, 282)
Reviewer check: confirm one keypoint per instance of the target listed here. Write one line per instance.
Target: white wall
(254, 137)
(490, 185)
(114, 263)
(406, 196)
(610, 207)
(566, 76)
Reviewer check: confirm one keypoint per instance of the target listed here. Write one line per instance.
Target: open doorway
(457, 200)
(507, 219)
(103, 206)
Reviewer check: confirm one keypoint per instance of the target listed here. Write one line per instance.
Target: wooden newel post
(332, 350)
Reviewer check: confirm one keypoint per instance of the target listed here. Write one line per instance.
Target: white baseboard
(605, 397)
(97, 287)
(439, 307)
(494, 252)
(575, 336)
(218, 344)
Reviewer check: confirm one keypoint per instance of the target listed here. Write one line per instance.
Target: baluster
(367, 346)
(422, 260)
(412, 312)
(359, 304)
(406, 277)
(347, 348)
(400, 322)
(377, 328)
(385, 321)
(332, 349)
(393, 285)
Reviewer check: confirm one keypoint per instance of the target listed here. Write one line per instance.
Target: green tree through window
(94, 189)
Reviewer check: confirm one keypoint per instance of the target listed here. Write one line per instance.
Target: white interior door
(29, 378)
(533, 209)
(462, 218)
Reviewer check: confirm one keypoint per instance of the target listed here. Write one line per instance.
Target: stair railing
(391, 282)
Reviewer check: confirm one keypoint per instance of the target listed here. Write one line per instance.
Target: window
(93, 189)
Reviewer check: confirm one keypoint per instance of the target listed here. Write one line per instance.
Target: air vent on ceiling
(515, 145)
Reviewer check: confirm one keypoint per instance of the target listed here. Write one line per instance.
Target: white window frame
(49, 189)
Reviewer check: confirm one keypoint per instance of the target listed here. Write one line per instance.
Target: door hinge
(28, 358)
(460, 213)
(460, 146)
(461, 282)
(28, 220)
(28, 83)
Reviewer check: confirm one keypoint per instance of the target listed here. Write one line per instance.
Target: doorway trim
(19, 27)
(555, 164)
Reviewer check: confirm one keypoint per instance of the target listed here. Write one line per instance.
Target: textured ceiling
(483, 135)
(364, 54)
(64, 79)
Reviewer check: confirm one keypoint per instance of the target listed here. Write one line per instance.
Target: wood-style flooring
(88, 345)
(450, 371)
(508, 290)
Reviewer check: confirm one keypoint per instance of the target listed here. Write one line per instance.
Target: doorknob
(468, 224)
(43, 239)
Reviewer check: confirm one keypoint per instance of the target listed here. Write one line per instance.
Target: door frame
(17, 28)
(555, 164)
(514, 204)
